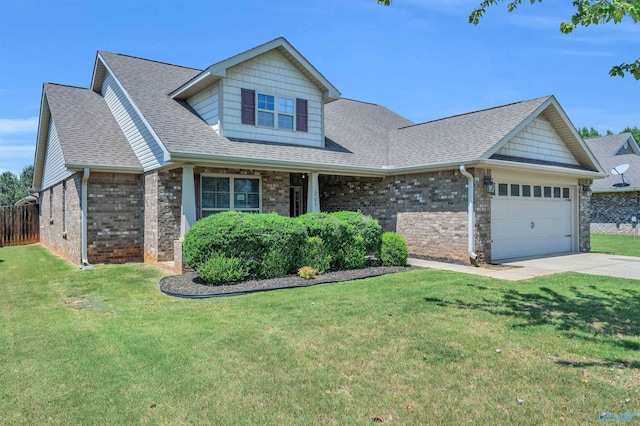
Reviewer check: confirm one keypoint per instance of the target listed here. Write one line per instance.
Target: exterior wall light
(490, 185)
(586, 190)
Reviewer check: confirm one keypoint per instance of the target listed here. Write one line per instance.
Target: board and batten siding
(54, 169)
(206, 105)
(145, 147)
(539, 141)
(271, 74)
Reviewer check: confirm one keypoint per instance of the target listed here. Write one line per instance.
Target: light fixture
(490, 185)
(586, 190)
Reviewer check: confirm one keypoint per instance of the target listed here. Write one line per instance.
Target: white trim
(231, 178)
(167, 155)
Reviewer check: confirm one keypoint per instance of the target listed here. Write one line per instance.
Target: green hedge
(394, 250)
(232, 246)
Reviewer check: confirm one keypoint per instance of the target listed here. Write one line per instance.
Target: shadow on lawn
(590, 314)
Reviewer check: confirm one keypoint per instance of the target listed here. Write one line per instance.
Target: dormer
(270, 93)
(629, 146)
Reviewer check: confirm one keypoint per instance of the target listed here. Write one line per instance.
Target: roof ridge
(67, 85)
(149, 60)
(474, 112)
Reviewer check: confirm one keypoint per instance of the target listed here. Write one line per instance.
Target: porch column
(313, 193)
(188, 206)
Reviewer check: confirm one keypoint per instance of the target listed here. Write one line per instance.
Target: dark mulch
(190, 285)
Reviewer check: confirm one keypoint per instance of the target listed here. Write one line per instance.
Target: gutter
(85, 181)
(470, 218)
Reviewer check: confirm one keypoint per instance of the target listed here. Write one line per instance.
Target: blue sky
(419, 58)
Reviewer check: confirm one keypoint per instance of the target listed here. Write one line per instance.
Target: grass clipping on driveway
(420, 347)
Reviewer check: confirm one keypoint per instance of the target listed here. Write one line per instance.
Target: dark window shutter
(248, 106)
(301, 115)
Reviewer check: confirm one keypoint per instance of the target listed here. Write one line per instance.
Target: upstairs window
(272, 111)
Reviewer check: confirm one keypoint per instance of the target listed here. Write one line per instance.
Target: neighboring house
(125, 167)
(615, 209)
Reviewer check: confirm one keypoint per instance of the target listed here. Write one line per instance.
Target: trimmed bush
(394, 250)
(219, 269)
(315, 254)
(263, 242)
(366, 226)
(307, 272)
(353, 254)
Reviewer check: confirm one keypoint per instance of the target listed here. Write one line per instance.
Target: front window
(269, 109)
(224, 193)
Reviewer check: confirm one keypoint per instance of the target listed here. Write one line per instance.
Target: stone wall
(584, 217)
(429, 210)
(612, 212)
(61, 221)
(115, 230)
(482, 212)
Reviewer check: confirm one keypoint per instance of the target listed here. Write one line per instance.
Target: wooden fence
(19, 225)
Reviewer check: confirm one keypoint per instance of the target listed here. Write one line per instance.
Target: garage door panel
(525, 226)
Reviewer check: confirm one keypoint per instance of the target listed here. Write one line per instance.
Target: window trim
(231, 178)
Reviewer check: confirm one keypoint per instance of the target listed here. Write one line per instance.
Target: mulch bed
(190, 285)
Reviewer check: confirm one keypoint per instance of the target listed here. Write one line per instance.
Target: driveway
(530, 267)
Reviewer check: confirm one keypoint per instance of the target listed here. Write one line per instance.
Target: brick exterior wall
(611, 212)
(54, 222)
(162, 201)
(584, 218)
(482, 212)
(115, 214)
(429, 210)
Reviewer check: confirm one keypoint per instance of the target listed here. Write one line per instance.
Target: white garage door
(528, 220)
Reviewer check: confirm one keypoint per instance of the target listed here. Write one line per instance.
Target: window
(526, 190)
(565, 192)
(547, 192)
(64, 206)
(223, 193)
(537, 191)
(274, 112)
(502, 189)
(515, 190)
(556, 192)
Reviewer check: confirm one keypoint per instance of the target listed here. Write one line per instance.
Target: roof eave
(588, 174)
(41, 140)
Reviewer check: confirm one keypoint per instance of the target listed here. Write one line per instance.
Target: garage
(531, 219)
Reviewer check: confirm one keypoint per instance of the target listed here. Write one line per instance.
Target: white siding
(54, 169)
(271, 74)
(142, 142)
(539, 141)
(206, 104)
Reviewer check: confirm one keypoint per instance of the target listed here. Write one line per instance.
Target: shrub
(394, 250)
(263, 242)
(366, 226)
(315, 254)
(219, 269)
(353, 254)
(307, 272)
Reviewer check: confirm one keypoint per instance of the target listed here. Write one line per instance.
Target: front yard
(420, 347)
(621, 245)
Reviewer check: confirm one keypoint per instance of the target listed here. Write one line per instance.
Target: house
(126, 166)
(615, 206)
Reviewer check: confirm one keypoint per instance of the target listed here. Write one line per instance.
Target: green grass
(621, 245)
(105, 346)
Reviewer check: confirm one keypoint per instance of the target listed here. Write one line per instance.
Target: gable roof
(85, 141)
(218, 70)
(605, 149)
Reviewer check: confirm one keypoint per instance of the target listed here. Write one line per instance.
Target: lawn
(621, 245)
(421, 347)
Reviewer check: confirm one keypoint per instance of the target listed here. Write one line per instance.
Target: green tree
(7, 188)
(634, 131)
(24, 182)
(587, 12)
(588, 133)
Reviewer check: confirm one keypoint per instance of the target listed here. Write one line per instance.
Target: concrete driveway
(530, 267)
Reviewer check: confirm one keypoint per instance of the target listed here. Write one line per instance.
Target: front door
(296, 201)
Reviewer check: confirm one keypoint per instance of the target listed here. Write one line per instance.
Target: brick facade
(115, 230)
(162, 200)
(612, 212)
(429, 210)
(61, 221)
(584, 218)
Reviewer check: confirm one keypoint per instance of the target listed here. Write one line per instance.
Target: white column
(188, 207)
(313, 193)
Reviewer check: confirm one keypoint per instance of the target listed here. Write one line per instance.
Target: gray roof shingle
(604, 148)
(89, 134)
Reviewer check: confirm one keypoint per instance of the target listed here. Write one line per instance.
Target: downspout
(470, 221)
(85, 182)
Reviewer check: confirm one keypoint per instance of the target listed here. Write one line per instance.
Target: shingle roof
(89, 134)
(459, 138)
(605, 148)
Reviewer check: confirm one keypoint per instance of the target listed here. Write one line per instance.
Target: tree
(24, 182)
(588, 133)
(634, 131)
(588, 12)
(7, 188)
